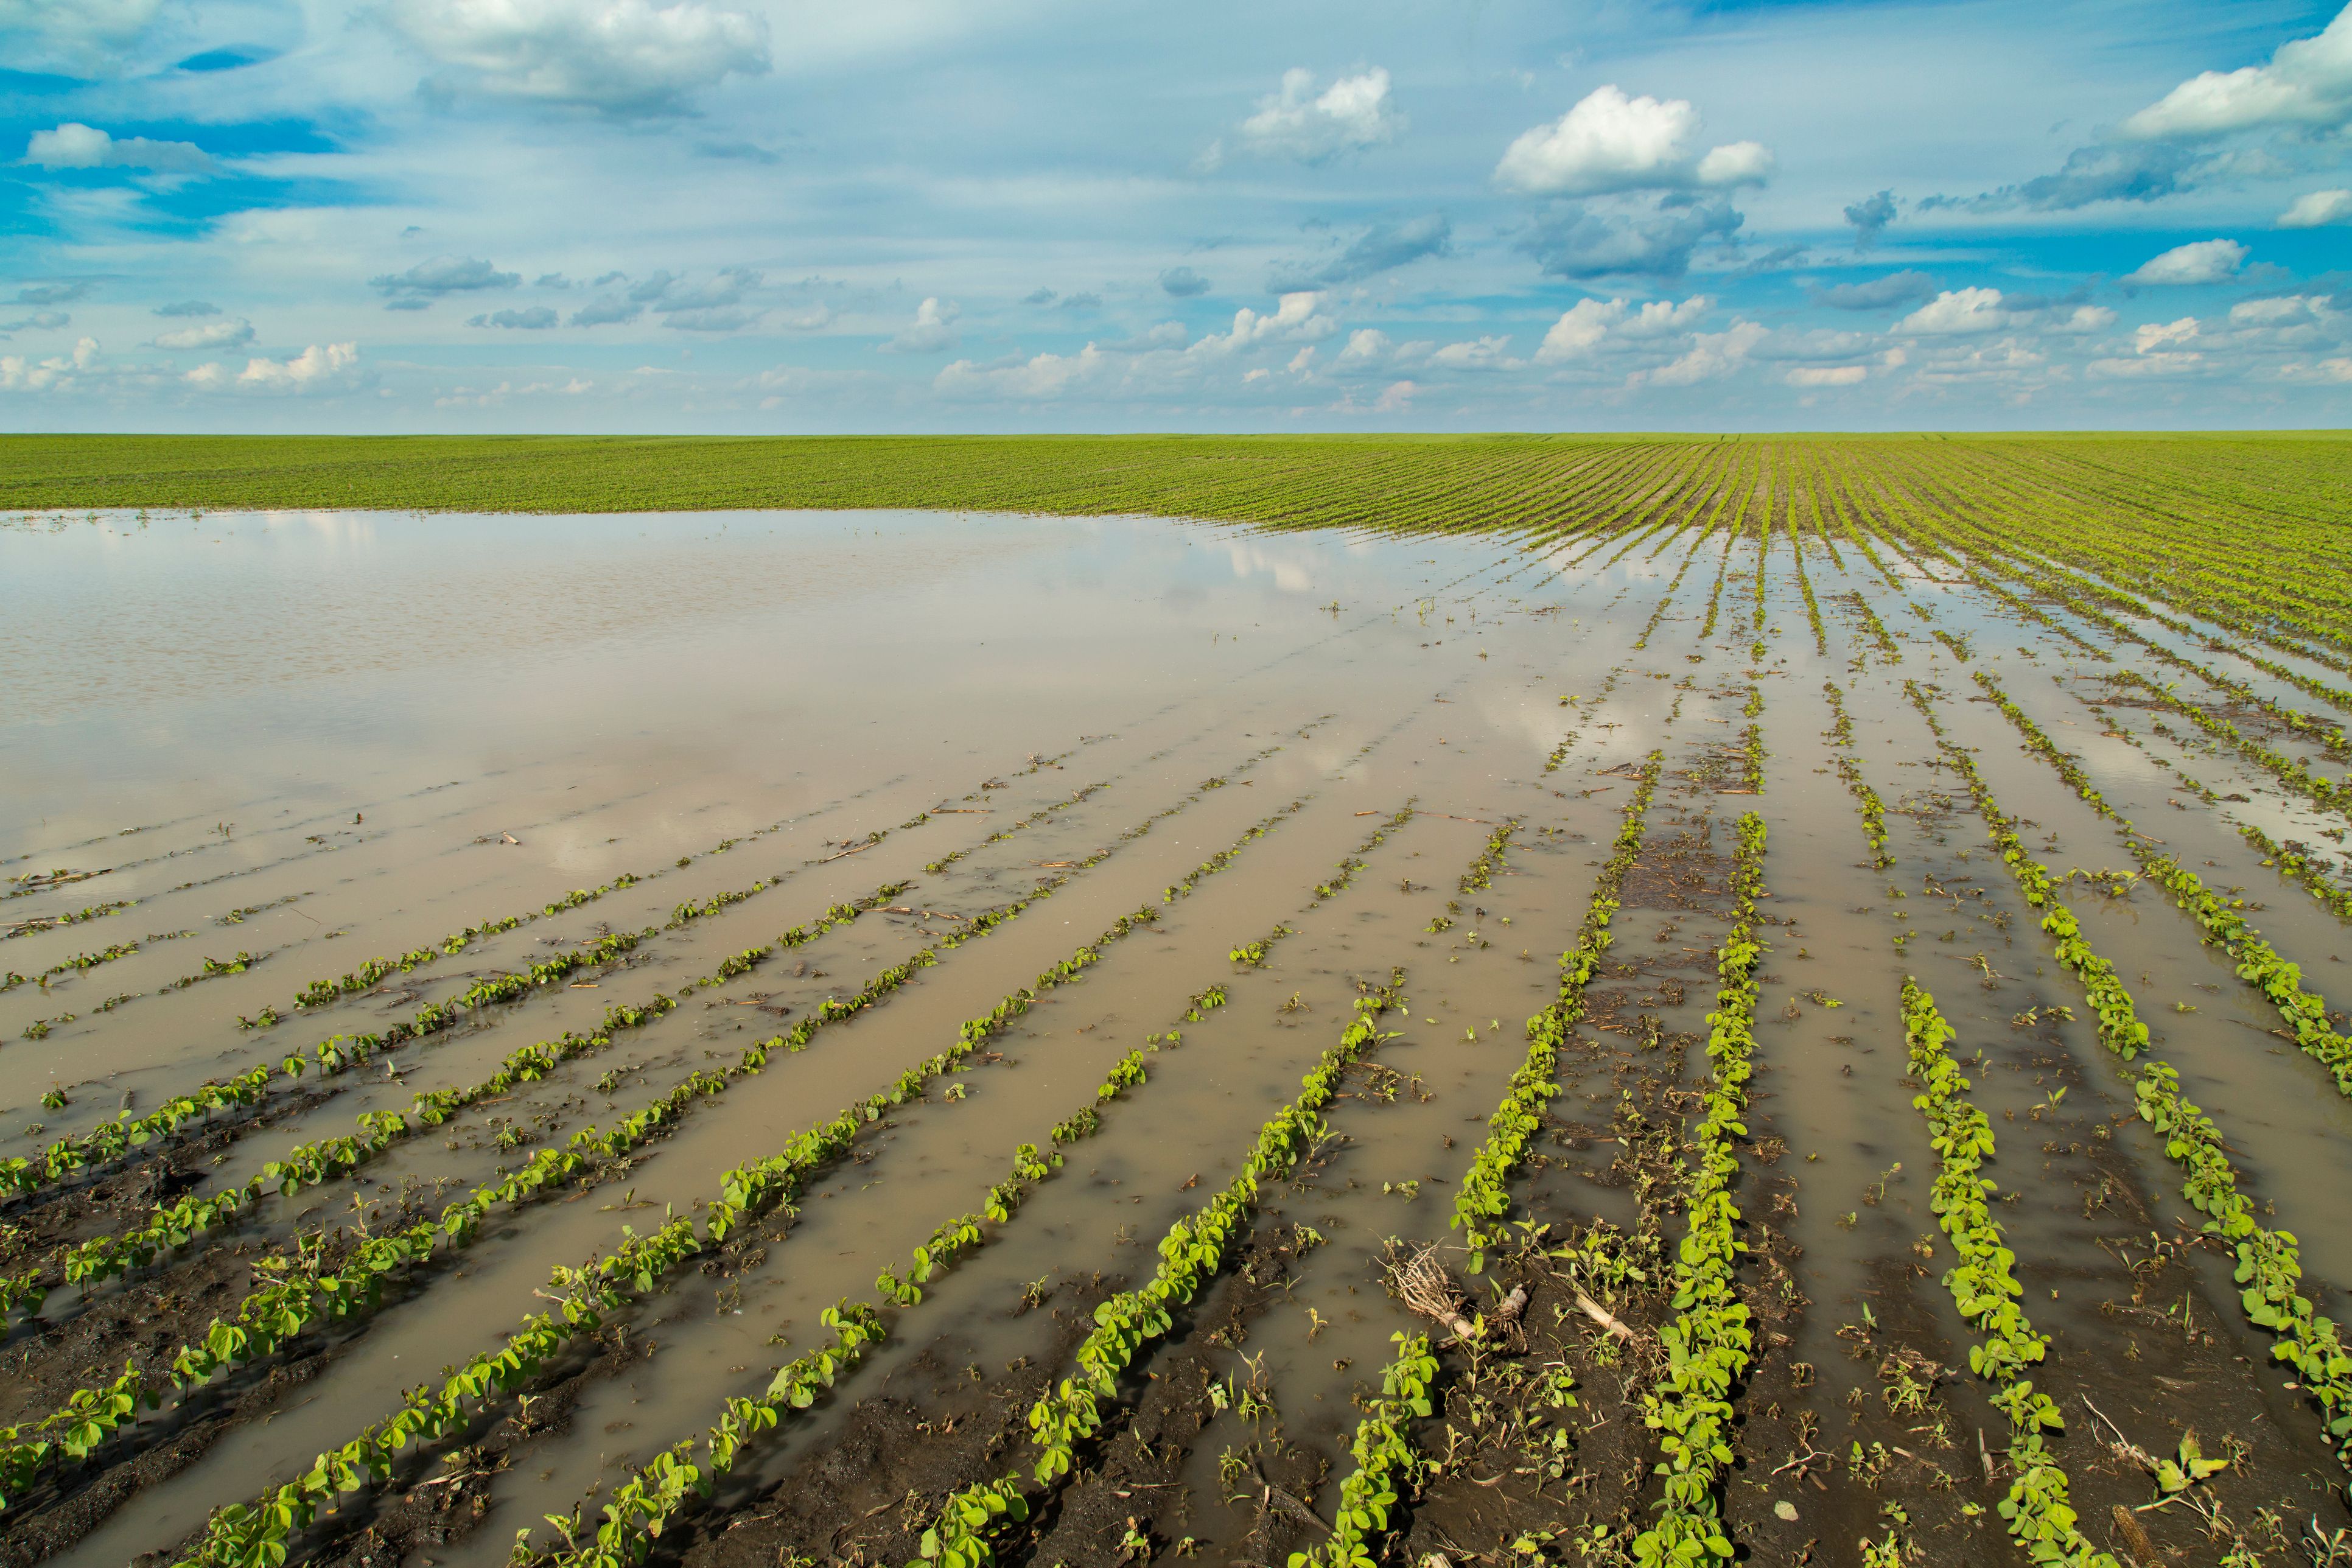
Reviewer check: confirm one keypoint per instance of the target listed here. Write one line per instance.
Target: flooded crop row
(1769, 1022)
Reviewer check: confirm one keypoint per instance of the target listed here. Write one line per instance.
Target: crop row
(1190, 1254)
(310, 1164)
(79, 964)
(253, 1536)
(341, 1052)
(1707, 1344)
(305, 1293)
(2217, 921)
(1987, 1292)
(1482, 1197)
(646, 1503)
(2269, 1269)
(1865, 799)
(92, 1414)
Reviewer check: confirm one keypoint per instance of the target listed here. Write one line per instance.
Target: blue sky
(780, 216)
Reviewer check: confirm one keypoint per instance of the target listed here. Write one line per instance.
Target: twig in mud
(1603, 1316)
(1284, 1503)
(846, 854)
(2135, 1537)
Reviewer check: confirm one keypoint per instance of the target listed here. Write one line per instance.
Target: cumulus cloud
(188, 308)
(932, 331)
(1610, 143)
(442, 275)
(231, 333)
(1478, 354)
(73, 145)
(1957, 311)
(1870, 217)
(20, 374)
(2149, 361)
(2202, 261)
(39, 321)
(1579, 240)
(620, 57)
(606, 312)
(1811, 377)
(1182, 282)
(538, 317)
(2316, 209)
(1893, 291)
(331, 368)
(1366, 346)
(1585, 325)
(1711, 356)
(2282, 310)
(1382, 247)
(2154, 335)
(1045, 375)
(2081, 320)
(2306, 87)
(1300, 123)
(2256, 120)
(1297, 315)
(59, 294)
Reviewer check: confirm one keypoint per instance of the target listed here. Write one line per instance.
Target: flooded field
(1768, 1021)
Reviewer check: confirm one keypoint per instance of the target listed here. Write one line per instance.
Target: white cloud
(1735, 164)
(1491, 352)
(932, 331)
(1584, 325)
(2316, 209)
(2284, 310)
(1396, 397)
(2084, 319)
(1297, 317)
(73, 145)
(1814, 376)
(1580, 330)
(2308, 86)
(2154, 335)
(1365, 346)
(616, 57)
(1351, 114)
(83, 35)
(2202, 261)
(315, 369)
(1046, 376)
(1957, 311)
(232, 332)
(2155, 365)
(1608, 141)
(19, 374)
(1711, 355)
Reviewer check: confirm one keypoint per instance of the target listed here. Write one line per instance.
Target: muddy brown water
(317, 738)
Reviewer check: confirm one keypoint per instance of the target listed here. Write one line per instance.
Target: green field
(1775, 995)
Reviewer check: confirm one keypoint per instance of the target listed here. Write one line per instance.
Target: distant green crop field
(1452, 484)
(2249, 517)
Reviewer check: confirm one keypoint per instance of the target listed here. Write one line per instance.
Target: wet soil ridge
(730, 1165)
